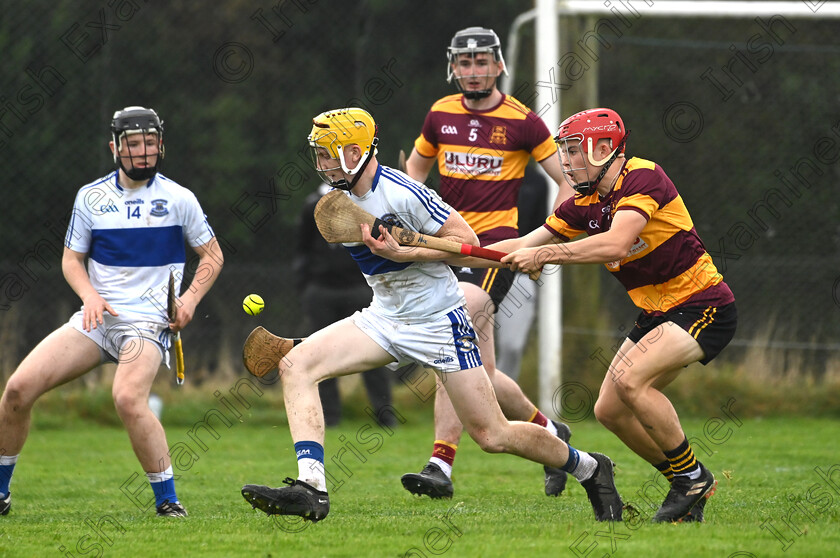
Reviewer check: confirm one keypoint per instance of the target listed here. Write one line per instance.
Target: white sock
(161, 476)
(551, 428)
(444, 466)
(586, 466)
(311, 471)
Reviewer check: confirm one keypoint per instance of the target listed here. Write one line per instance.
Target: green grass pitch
(76, 493)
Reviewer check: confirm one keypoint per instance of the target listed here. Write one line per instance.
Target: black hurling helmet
(136, 120)
(471, 41)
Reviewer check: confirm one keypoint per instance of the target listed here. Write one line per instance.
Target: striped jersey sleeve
(667, 265)
(433, 211)
(406, 290)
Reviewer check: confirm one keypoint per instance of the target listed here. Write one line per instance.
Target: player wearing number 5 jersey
(482, 141)
(131, 226)
(639, 227)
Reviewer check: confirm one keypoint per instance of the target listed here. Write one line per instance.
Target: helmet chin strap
(476, 95)
(588, 188)
(146, 173)
(584, 188)
(347, 186)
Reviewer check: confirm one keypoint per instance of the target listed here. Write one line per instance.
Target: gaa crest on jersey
(159, 208)
(109, 207)
(498, 135)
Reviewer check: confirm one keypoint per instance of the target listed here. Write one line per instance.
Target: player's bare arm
(419, 167)
(609, 246)
(454, 229)
(76, 275)
(210, 262)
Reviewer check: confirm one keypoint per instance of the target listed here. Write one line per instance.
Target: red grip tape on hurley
(479, 252)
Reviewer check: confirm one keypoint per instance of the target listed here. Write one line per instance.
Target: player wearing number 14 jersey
(134, 237)
(130, 227)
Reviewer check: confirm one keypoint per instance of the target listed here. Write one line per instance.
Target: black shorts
(712, 326)
(495, 281)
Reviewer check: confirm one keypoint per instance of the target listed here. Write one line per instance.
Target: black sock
(682, 460)
(665, 469)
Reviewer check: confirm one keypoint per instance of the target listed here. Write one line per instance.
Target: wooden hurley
(172, 312)
(263, 351)
(338, 219)
(401, 161)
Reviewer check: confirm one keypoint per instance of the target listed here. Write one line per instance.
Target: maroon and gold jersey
(667, 266)
(482, 157)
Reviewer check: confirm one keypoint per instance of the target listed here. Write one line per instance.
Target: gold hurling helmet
(336, 129)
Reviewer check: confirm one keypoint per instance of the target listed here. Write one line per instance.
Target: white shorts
(119, 335)
(447, 344)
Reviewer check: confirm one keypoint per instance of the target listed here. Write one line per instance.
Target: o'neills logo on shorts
(470, 164)
(444, 360)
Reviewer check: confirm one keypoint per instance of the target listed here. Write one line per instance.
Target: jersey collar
(482, 111)
(376, 178)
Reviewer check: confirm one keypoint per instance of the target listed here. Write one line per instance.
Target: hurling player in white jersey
(417, 316)
(132, 226)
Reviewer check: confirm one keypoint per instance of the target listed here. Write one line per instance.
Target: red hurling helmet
(584, 130)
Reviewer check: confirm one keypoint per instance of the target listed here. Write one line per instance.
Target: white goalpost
(545, 17)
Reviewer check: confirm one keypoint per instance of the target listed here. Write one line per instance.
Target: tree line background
(742, 114)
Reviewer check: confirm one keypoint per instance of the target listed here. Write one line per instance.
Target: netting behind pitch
(742, 114)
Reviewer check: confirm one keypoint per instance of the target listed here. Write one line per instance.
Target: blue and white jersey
(406, 291)
(133, 238)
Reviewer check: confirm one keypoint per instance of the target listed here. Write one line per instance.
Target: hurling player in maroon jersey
(637, 225)
(482, 140)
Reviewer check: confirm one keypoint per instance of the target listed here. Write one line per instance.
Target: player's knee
(286, 370)
(19, 394)
(488, 440)
(606, 414)
(127, 403)
(628, 390)
(297, 370)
